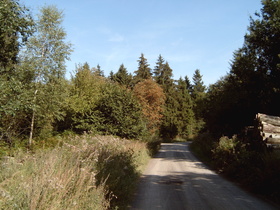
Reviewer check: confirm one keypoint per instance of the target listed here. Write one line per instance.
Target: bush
(153, 146)
(82, 172)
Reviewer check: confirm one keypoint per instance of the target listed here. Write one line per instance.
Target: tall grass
(256, 170)
(83, 172)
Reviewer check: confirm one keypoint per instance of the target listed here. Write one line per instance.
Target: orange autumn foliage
(152, 99)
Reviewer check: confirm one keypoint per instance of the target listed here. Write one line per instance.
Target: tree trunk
(32, 120)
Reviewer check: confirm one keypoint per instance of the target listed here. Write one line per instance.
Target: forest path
(176, 179)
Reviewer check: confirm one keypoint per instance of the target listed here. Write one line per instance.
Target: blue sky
(189, 34)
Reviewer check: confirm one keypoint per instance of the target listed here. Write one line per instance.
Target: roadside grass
(256, 171)
(80, 172)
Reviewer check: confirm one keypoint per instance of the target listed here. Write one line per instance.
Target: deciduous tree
(45, 57)
(152, 99)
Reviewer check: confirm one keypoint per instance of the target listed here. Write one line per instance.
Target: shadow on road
(175, 179)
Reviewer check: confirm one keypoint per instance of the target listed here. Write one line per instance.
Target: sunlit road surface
(176, 180)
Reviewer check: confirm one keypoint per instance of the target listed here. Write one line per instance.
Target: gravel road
(176, 180)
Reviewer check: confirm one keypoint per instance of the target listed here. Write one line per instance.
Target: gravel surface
(175, 179)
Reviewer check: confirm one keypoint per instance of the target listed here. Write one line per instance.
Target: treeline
(253, 84)
(38, 102)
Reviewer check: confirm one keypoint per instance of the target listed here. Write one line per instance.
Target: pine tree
(185, 116)
(188, 84)
(198, 87)
(98, 72)
(198, 94)
(159, 68)
(168, 128)
(123, 77)
(143, 71)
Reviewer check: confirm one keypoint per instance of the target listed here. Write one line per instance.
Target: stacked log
(269, 128)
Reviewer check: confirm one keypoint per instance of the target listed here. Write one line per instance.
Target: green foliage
(143, 71)
(185, 116)
(44, 58)
(122, 77)
(120, 113)
(257, 171)
(252, 85)
(117, 170)
(76, 174)
(15, 27)
(153, 146)
(83, 95)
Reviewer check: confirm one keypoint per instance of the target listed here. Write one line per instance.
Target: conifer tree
(188, 84)
(158, 70)
(198, 87)
(185, 116)
(168, 128)
(198, 94)
(123, 77)
(143, 71)
(98, 71)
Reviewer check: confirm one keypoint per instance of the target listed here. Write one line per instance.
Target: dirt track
(175, 179)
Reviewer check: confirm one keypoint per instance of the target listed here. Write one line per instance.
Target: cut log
(273, 120)
(269, 128)
(273, 140)
(270, 135)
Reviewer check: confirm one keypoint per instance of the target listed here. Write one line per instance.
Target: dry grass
(64, 177)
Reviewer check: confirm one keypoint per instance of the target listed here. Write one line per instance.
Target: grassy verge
(256, 170)
(81, 172)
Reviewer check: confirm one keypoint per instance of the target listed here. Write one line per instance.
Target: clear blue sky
(189, 34)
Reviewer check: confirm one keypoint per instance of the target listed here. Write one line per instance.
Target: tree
(122, 77)
(158, 70)
(188, 84)
(143, 71)
(152, 99)
(198, 88)
(45, 57)
(98, 71)
(120, 113)
(185, 116)
(168, 127)
(252, 85)
(16, 25)
(84, 93)
(198, 95)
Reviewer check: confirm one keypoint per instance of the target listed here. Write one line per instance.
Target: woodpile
(269, 129)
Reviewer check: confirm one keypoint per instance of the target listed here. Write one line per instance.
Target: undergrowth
(81, 172)
(258, 170)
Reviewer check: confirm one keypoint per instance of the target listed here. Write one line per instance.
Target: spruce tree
(185, 116)
(159, 68)
(143, 71)
(198, 95)
(123, 77)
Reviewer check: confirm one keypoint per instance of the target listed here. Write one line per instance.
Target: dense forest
(37, 102)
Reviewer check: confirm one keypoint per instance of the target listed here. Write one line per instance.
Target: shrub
(82, 172)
